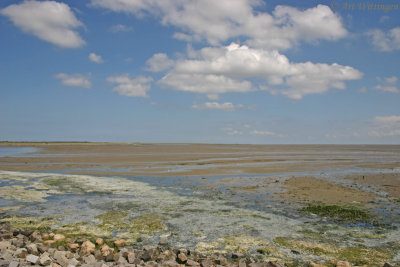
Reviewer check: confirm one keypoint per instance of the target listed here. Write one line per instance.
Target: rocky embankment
(21, 247)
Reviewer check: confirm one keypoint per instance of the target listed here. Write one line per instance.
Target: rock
(73, 247)
(237, 255)
(192, 263)
(51, 235)
(387, 265)
(18, 242)
(87, 247)
(26, 232)
(343, 264)
(59, 237)
(44, 259)
(90, 259)
(13, 264)
(242, 262)
(181, 258)
(35, 236)
(221, 261)
(32, 258)
(21, 253)
(206, 263)
(49, 242)
(106, 251)
(32, 249)
(73, 262)
(42, 248)
(55, 265)
(99, 241)
(45, 236)
(120, 243)
(170, 263)
(60, 258)
(131, 257)
(312, 264)
(5, 245)
(275, 264)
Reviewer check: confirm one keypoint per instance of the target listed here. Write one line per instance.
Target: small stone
(242, 262)
(13, 264)
(221, 261)
(73, 262)
(5, 245)
(60, 258)
(90, 259)
(49, 242)
(87, 247)
(44, 259)
(18, 242)
(206, 263)
(131, 257)
(120, 243)
(45, 236)
(170, 263)
(181, 258)
(32, 249)
(51, 235)
(343, 264)
(55, 265)
(35, 236)
(106, 250)
(275, 264)
(313, 264)
(192, 263)
(21, 253)
(73, 247)
(99, 241)
(59, 237)
(32, 258)
(237, 255)
(387, 265)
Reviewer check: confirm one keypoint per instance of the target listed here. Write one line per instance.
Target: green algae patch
(83, 229)
(241, 214)
(19, 193)
(113, 220)
(34, 223)
(9, 209)
(374, 256)
(210, 248)
(148, 223)
(244, 243)
(337, 213)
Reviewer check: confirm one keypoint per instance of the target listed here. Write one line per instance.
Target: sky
(200, 71)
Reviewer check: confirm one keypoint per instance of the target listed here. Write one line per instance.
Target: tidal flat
(292, 203)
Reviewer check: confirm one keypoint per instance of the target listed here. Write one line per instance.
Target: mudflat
(295, 203)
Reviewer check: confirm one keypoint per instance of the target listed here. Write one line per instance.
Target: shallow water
(16, 151)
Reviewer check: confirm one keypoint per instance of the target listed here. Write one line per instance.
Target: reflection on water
(8, 151)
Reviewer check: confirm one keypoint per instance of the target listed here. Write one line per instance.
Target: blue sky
(243, 71)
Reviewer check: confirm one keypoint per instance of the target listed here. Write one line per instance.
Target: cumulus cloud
(387, 84)
(136, 87)
(159, 62)
(95, 58)
(76, 80)
(120, 28)
(50, 21)
(385, 126)
(385, 41)
(218, 21)
(232, 69)
(227, 106)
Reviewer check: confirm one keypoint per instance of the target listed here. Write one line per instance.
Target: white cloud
(218, 21)
(95, 58)
(385, 41)
(227, 106)
(136, 87)
(387, 84)
(213, 96)
(76, 80)
(385, 126)
(159, 62)
(230, 131)
(120, 28)
(50, 21)
(263, 133)
(232, 68)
